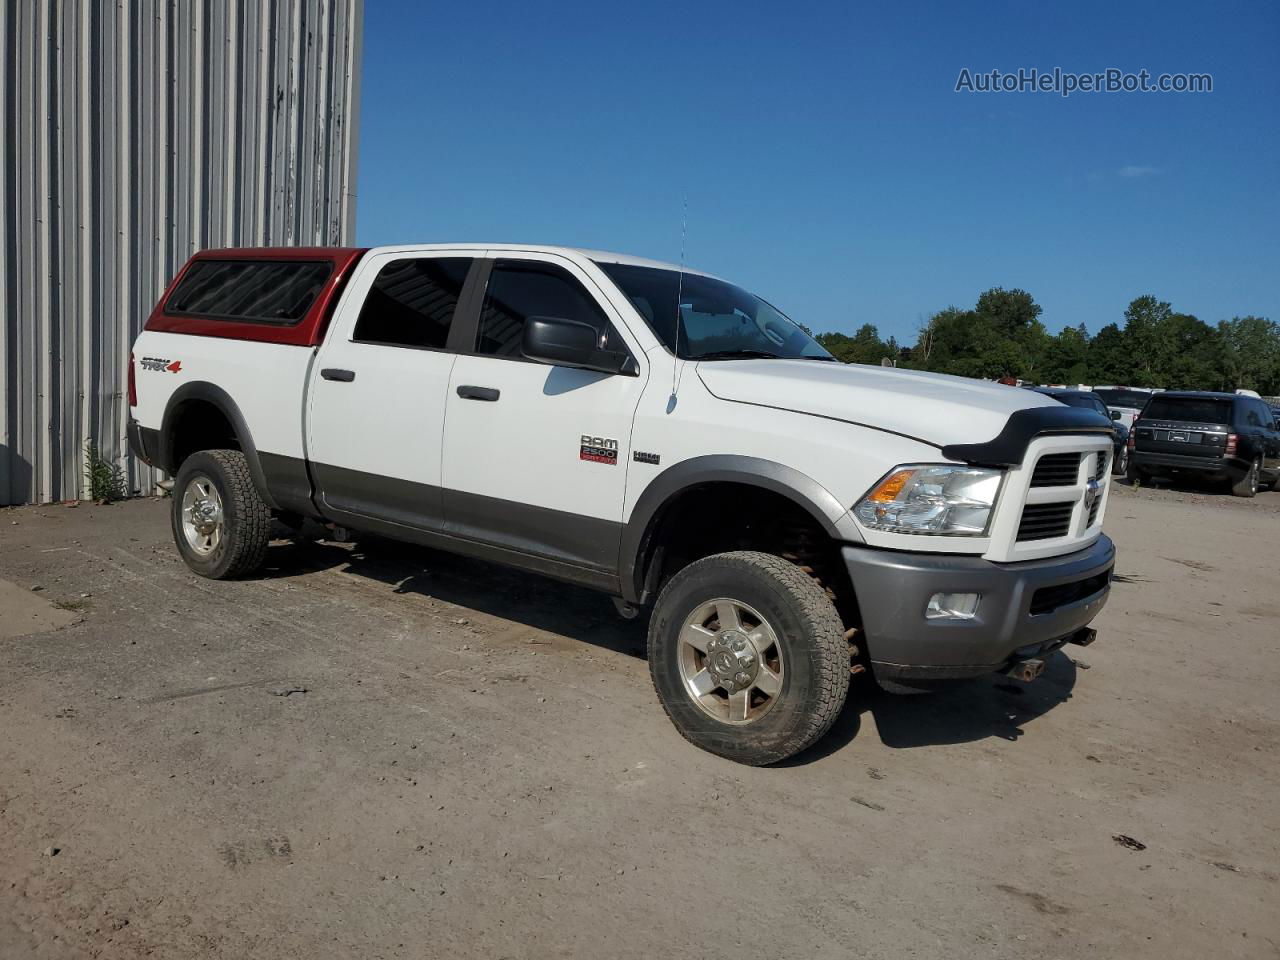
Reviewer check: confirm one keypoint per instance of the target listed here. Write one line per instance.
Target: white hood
(933, 407)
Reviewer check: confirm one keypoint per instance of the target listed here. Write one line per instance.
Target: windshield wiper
(738, 355)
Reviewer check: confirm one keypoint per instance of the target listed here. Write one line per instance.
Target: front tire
(220, 523)
(748, 657)
(1247, 486)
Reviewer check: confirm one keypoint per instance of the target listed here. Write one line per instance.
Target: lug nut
(741, 679)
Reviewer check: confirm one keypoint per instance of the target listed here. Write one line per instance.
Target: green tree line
(1155, 346)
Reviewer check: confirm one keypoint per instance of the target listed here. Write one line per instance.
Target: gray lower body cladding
(1027, 608)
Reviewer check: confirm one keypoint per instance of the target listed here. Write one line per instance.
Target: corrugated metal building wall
(136, 132)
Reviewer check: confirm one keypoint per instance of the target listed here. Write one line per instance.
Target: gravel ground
(375, 751)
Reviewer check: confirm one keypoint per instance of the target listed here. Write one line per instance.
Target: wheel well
(722, 516)
(198, 425)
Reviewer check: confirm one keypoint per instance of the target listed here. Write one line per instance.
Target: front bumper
(1027, 609)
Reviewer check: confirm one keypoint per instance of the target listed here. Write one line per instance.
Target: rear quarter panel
(266, 380)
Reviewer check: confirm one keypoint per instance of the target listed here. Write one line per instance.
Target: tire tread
(249, 531)
(816, 609)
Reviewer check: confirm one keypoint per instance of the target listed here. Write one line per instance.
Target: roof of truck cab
(599, 256)
(277, 253)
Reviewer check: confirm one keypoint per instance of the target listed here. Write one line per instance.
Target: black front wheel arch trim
(664, 489)
(202, 391)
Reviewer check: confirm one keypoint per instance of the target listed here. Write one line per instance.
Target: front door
(378, 388)
(535, 456)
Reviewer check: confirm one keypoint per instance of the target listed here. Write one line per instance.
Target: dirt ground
(471, 763)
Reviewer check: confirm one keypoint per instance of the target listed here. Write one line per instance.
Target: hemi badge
(640, 456)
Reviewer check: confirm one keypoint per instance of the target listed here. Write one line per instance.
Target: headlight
(933, 500)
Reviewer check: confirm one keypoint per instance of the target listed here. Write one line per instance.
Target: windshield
(718, 321)
(1134, 399)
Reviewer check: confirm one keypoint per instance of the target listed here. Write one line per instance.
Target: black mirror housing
(1115, 414)
(572, 343)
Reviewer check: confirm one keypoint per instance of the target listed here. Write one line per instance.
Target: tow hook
(627, 611)
(1026, 670)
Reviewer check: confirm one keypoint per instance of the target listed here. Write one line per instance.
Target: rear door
(378, 386)
(535, 456)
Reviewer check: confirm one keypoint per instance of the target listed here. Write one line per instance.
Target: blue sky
(828, 163)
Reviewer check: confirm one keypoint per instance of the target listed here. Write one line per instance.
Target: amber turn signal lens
(888, 490)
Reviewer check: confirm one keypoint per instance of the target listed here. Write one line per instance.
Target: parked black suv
(1211, 435)
(1089, 400)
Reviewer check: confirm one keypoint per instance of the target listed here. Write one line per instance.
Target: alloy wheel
(203, 519)
(731, 661)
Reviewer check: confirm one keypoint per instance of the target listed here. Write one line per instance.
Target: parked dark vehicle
(1091, 401)
(1220, 436)
(1125, 403)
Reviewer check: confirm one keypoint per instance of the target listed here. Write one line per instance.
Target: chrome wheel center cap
(732, 660)
(205, 515)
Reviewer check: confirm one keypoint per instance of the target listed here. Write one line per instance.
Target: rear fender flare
(205, 392)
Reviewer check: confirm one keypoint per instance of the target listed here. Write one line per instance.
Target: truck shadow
(961, 711)
(951, 713)
(483, 588)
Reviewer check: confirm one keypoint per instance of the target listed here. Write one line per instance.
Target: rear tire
(775, 641)
(220, 523)
(1247, 486)
(1120, 464)
(1137, 476)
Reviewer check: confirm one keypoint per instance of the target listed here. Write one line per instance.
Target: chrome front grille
(1103, 463)
(1057, 470)
(1100, 467)
(1045, 521)
(1055, 501)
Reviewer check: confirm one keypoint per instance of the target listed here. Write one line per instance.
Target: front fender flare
(801, 489)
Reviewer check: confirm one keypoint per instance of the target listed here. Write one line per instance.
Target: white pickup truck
(647, 430)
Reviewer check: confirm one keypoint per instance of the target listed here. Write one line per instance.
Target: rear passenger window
(412, 302)
(519, 290)
(261, 291)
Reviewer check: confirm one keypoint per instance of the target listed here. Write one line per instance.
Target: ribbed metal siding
(135, 133)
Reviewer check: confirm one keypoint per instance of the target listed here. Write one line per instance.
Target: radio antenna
(684, 233)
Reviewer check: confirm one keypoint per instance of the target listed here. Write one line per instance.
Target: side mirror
(572, 343)
(1115, 414)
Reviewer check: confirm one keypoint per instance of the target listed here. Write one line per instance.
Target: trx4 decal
(155, 365)
(599, 450)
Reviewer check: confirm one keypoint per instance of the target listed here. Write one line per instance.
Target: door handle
(468, 392)
(342, 376)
